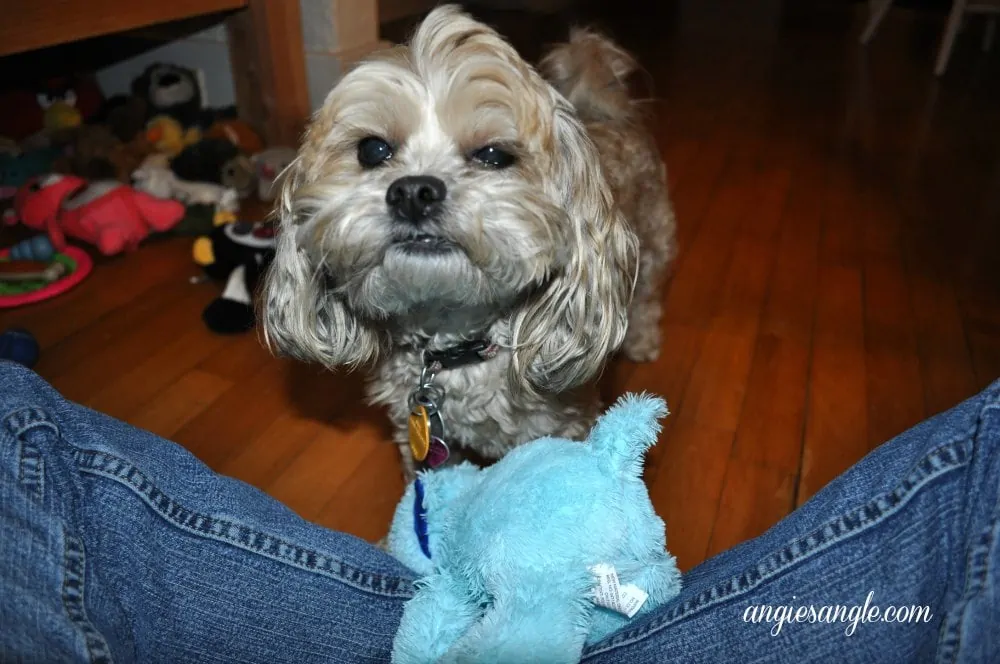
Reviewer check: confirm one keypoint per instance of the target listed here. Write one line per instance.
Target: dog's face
(441, 176)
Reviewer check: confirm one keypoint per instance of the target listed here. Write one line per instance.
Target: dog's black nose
(415, 197)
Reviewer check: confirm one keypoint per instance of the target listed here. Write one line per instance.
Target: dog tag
(437, 453)
(420, 433)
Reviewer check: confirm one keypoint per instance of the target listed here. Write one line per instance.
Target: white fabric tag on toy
(611, 594)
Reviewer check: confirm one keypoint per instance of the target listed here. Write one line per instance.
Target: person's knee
(18, 385)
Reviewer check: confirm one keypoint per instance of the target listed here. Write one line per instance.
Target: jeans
(116, 545)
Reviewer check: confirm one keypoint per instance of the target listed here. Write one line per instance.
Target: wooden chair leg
(877, 9)
(950, 32)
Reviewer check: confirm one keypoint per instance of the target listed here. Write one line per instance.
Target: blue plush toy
(550, 549)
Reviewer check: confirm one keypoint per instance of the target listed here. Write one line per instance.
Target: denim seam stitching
(950, 634)
(20, 420)
(31, 469)
(978, 561)
(937, 463)
(263, 544)
(74, 566)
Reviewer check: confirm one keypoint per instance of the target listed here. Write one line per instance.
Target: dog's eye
(373, 151)
(493, 157)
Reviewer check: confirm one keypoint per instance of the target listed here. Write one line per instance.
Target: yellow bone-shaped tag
(420, 433)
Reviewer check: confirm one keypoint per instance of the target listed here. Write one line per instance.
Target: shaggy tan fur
(534, 255)
(593, 72)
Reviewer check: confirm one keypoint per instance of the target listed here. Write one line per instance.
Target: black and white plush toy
(238, 253)
(170, 90)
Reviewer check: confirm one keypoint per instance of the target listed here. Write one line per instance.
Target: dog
(449, 222)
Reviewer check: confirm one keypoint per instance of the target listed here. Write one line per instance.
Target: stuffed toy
(552, 548)
(88, 149)
(124, 115)
(59, 103)
(166, 135)
(237, 132)
(107, 214)
(201, 219)
(215, 160)
(18, 168)
(94, 152)
(269, 165)
(156, 179)
(238, 253)
(37, 248)
(170, 90)
(8, 146)
(19, 345)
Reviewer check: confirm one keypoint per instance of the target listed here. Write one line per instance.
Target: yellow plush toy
(167, 135)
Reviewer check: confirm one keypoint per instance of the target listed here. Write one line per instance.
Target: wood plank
(754, 498)
(686, 488)
(245, 409)
(366, 501)
(718, 386)
(772, 420)
(67, 353)
(243, 357)
(836, 421)
(894, 384)
(982, 326)
(178, 403)
(105, 363)
(668, 377)
(113, 283)
(31, 24)
(141, 384)
(694, 188)
(703, 264)
(264, 458)
(945, 361)
(843, 230)
(325, 465)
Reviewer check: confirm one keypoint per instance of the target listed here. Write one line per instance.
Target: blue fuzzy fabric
(505, 552)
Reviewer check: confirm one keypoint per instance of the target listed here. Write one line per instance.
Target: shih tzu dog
(472, 232)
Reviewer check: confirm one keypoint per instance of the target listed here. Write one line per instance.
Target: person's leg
(915, 523)
(116, 545)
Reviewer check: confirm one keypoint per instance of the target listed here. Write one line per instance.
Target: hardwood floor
(839, 215)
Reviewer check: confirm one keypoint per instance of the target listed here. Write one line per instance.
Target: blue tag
(420, 517)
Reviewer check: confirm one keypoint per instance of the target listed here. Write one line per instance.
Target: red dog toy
(107, 214)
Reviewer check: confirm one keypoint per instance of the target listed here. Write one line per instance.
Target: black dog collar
(467, 352)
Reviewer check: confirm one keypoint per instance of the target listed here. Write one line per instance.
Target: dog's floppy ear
(564, 336)
(302, 316)
(141, 83)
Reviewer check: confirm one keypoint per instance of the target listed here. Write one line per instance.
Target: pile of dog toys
(110, 172)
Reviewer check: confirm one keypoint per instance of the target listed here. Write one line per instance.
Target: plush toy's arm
(437, 615)
(549, 629)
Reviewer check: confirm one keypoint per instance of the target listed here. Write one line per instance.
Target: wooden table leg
(269, 69)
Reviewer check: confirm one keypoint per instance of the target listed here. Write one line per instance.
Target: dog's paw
(641, 354)
(642, 348)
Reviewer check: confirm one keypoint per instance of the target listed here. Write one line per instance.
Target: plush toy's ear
(629, 428)
(140, 84)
